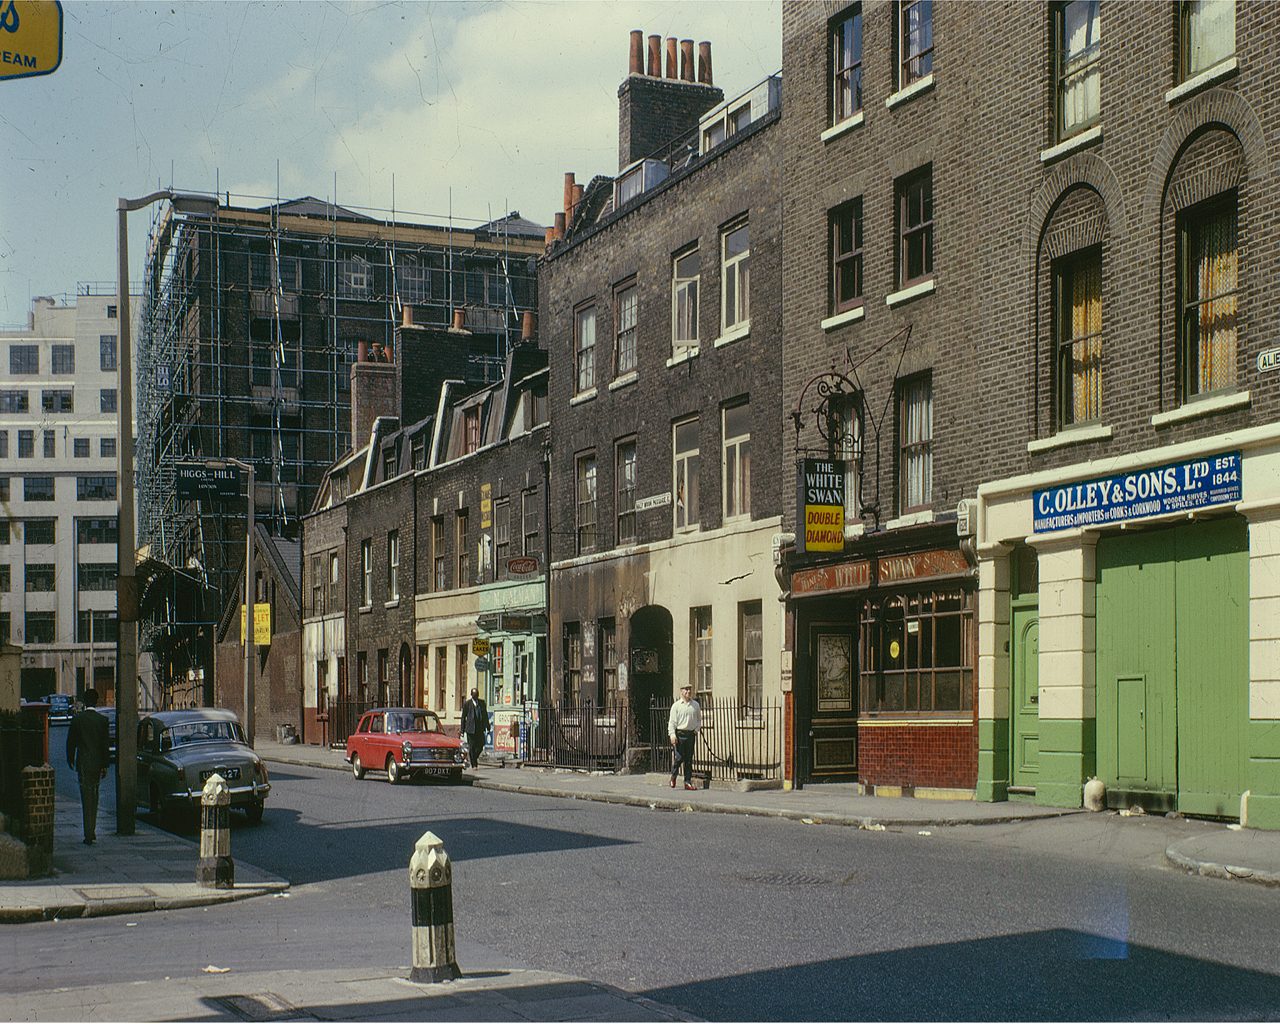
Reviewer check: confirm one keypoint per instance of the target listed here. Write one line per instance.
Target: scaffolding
(250, 320)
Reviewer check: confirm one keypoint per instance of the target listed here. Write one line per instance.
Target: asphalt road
(729, 918)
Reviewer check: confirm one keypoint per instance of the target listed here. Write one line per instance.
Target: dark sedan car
(61, 708)
(179, 750)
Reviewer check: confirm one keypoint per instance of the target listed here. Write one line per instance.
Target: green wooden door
(1024, 664)
(1212, 597)
(1136, 667)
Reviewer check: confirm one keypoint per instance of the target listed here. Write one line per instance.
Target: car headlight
(406, 748)
(458, 755)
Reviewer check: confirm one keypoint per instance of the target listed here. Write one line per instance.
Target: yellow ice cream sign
(30, 37)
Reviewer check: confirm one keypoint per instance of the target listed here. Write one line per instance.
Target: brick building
(660, 308)
(406, 553)
(1076, 226)
(882, 167)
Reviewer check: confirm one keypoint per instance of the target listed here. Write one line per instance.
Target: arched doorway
(406, 676)
(650, 659)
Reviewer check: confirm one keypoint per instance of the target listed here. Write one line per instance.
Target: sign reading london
(198, 482)
(1177, 487)
(30, 38)
(822, 500)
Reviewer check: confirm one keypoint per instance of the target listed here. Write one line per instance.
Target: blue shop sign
(1177, 487)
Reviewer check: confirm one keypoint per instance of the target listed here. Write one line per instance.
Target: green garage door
(1173, 665)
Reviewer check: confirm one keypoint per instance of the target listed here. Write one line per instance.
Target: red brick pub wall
(945, 756)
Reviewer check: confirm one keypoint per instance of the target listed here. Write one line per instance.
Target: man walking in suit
(88, 752)
(475, 724)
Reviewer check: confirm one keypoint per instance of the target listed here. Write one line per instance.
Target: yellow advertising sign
(821, 497)
(486, 506)
(479, 646)
(261, 624)
(30, 38)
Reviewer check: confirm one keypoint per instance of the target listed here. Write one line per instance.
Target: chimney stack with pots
(664, 103)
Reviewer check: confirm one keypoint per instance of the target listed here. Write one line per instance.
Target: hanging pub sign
(1177, 487)
(820, 497)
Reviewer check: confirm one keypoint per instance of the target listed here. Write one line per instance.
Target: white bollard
(215, 869)
(431, 881)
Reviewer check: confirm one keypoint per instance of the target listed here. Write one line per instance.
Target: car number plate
(228, 775)
(439, 771)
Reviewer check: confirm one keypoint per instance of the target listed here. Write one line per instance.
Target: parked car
(61, 708)
(109, 713)
(404, 742)
(179, 750)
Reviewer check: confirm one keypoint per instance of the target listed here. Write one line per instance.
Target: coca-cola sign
(522, 565)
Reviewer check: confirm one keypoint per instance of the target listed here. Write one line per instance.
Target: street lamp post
(126, 543)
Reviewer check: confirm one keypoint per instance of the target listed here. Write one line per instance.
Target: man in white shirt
(682, 726)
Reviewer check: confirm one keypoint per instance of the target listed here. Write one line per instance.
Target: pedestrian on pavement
(682, 726)
(475, 724)
(88, 752)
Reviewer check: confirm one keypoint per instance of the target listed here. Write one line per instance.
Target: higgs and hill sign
(1177, 487)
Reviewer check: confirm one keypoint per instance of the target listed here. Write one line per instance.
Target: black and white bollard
(431, 883)
(216, 869)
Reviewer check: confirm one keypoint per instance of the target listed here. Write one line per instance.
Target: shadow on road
(1050, 975)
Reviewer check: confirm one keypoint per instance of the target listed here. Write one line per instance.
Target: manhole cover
(262, 1006)
(795, 878)
(114, 892)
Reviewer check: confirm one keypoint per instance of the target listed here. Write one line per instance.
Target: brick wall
(37, 825)
(653, 111)
(941, 755)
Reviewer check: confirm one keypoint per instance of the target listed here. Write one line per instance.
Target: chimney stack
(374, 391)
(637, 53)
(660, 106)
(686, 60)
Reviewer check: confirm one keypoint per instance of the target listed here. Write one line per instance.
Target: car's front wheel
(357, 769)
(255, 811)
(393, 770)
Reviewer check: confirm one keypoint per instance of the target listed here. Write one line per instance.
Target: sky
(476, 107)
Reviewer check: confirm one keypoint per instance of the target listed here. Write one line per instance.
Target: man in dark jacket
(475, 723)
(88, 752)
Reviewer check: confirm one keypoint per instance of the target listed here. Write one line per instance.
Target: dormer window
(730, 122)
(471, 430)
(638, 179)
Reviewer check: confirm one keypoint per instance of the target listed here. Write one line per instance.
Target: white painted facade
(82, 452)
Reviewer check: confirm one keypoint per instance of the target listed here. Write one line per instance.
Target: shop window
(917, 653)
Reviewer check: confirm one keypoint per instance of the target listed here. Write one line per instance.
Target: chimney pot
(362, 351)
(636, 66)
(671, 57)
(559, 225)
(569, 183)
(704, 63)
(526, 325)
(548, 237)
(407, 313)
(686, 60)
(655, 56)
(459, 318)
(577, 199)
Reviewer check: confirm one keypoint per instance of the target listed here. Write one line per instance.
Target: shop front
(883, 648)
(1128, 631)
(514, 623)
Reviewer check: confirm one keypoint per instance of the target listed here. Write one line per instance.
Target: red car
(404, 742)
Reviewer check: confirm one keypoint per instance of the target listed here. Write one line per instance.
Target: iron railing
(344, 716)
(736, 742)
(582, 734)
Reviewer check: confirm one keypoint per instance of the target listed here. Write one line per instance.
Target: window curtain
(1080, 68)
(1216, 270)
(1086, 345)
(1211, 26)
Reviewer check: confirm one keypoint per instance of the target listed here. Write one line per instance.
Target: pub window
(916, 653)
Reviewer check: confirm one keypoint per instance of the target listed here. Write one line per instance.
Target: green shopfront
(1129, 630)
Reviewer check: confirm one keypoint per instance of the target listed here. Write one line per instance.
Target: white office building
(58, 468)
